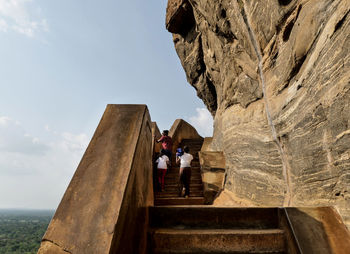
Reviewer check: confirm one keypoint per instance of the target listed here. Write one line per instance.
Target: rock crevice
(286, 174)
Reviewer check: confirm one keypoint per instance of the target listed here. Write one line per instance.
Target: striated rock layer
(275, 76)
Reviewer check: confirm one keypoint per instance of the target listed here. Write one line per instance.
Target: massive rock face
(275, 75)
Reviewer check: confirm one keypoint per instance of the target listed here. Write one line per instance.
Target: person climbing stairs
(184, 225)
(170, 195)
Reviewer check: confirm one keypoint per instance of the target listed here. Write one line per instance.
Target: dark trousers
(184, 181)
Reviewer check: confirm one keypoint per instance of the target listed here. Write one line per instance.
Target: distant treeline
(21, 230)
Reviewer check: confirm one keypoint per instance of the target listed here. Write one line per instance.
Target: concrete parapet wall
(156, 135)
(319, 230)
(104, 209)
(182, 130)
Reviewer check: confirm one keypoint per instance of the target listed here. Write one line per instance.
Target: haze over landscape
(61, 63)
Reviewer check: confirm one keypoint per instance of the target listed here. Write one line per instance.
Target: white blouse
(185, 160)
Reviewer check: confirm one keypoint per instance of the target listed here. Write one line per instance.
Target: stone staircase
(170, 195)
(215, 230)
(184, 225)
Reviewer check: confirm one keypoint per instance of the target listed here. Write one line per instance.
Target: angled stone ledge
(104, 209)
(181, 130)
(319, 230)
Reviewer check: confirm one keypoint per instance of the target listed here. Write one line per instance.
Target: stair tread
(176, 195)
(176, 190)
(218, 240)
(179, 201)
(177, 168)
(216, 231)
(181, 198)
(193, 180)
(220, 252)
(176, 174)
(176, 184)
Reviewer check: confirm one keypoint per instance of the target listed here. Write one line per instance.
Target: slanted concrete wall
(319, 230)
(156, 135)
(104, 209)
(181, 130)
(156, 149)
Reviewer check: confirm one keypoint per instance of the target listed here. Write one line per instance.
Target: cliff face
(275, 75)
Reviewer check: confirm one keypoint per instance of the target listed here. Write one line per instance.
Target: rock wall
(275, 76)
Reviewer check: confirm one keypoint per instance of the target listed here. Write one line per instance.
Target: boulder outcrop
(275, 75)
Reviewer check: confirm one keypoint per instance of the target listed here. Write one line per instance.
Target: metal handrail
(293, 232)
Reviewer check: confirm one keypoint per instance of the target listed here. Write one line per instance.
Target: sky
(61, 63)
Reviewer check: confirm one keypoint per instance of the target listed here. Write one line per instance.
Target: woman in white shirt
(162, 166)
(185, 171)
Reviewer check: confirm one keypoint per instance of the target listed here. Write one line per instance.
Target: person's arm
(178, 158)
(191, 159)
(160, 140)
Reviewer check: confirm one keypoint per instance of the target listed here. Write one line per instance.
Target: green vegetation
(21, 230)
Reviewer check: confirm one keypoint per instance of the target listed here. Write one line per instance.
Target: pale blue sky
(61, 63)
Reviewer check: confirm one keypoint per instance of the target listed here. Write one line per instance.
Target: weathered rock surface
(275, 75)
(213, 174)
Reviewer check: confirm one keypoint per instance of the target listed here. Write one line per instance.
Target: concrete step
(175, 180)
(194, 149)
(164, 194)
(214, 217)
(174, 187)
(175, 170)
(179, 201)
(174, 175)
(193, 167)
(220, 252)
(192, 141)
(194, 164)
(217, 240)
